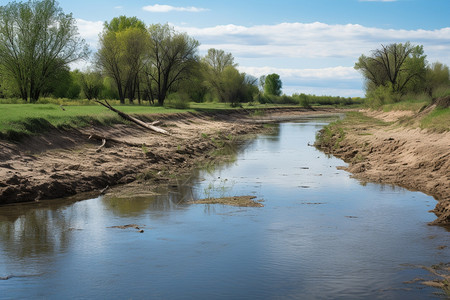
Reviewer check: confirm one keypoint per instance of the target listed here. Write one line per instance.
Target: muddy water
(320, 234)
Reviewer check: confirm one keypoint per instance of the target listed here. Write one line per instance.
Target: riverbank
(63, 163)
(379, 148)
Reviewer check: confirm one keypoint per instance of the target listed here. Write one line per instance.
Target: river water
(320, 235)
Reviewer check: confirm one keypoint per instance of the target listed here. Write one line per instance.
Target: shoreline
(64, 163)
(390, 153)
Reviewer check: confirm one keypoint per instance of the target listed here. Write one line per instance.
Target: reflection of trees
(27, 231)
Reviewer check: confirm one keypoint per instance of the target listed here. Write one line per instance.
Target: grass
(438, 119)
(19, 120)
(332, 135)
(409, 105)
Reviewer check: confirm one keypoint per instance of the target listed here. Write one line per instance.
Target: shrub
(177, 101)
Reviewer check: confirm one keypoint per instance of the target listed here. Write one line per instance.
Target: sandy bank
(65, 163)
(412, 158)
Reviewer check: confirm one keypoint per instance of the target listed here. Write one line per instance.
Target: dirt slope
(412, 158)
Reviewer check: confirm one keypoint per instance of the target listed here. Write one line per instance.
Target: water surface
(320, 235)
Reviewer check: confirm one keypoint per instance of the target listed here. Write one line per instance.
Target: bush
(177, 101)
(380, 96)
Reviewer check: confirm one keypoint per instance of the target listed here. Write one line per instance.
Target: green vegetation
(438, 119)
(400, 72)
(37, 43)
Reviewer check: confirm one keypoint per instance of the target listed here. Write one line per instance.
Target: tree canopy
(397, 66)
(272, 85)
(36, 40)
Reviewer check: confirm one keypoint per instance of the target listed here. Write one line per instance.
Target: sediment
(63, 163)
(412, 158)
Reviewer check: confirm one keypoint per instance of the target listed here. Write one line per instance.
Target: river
(320, 235)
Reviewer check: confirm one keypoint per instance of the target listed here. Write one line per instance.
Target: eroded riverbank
(65, 163)
(389, 153)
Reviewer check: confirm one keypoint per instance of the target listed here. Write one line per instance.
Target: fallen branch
(103, 138)
(101, 146)
(133, 119)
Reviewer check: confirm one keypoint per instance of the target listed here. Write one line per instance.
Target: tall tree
(122, 52)
(172, 56)
(218, 60)
(36, 40)
(273, 85)
(396, 65)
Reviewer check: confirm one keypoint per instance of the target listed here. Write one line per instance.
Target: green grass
(410, 105)
(438, 119)
(19, 120)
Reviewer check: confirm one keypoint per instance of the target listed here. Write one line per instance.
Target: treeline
(135, 63)
(399, 72)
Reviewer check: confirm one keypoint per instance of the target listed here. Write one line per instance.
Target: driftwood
(133, 119)
(101, 146)
(103, 138)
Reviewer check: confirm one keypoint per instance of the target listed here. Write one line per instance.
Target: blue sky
(312, 44)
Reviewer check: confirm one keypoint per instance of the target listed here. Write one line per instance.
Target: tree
(397, 66)
(36, 40)
(438, 75)
(218, 60)
(273, 85)
(91, 84)
(172, 56)
(122, 52)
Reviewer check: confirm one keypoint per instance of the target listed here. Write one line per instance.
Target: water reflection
(321, 234)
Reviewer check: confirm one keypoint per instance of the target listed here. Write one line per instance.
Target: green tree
(437, 76)
(122, 52)
(397, 66)
(171, 58)
(218, 60)
(36, 40)
(272, 85)
(91, 84)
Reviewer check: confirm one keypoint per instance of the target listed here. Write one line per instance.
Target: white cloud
(311, 74)
(313, 40)
(89, 30)
(314, 55)
(161, 8)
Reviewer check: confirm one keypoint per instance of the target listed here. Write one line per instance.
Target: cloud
(315, 55)
(89, 30)
(313, 40)
(310, 74)
(160, 8)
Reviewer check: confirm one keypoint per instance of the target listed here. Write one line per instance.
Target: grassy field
(19, 120)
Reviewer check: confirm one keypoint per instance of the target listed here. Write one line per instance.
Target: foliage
(272, 85)
(123, 49)
(92, 84)
(171, 58)
(437, 78)
(400, 67)
(177, 101)
(36, 41)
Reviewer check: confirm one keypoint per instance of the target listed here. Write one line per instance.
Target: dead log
(133, 119)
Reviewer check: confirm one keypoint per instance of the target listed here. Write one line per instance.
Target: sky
(312, 44)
